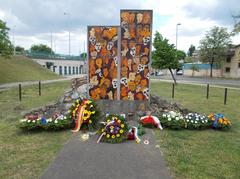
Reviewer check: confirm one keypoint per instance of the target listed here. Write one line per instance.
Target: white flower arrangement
(196, 121)
(172, 119)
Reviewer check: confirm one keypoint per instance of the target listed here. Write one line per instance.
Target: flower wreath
(219, 121)
(114, 130)
(84, 114)
(36, 122)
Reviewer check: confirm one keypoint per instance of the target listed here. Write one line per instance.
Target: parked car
(158, 73)
(179, 72)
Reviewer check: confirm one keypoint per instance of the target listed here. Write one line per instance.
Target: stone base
(130, 108)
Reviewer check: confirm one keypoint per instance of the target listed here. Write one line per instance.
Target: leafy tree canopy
(6, 48)
(41, 48)
(181, 55)
(19, 49)
(214, 45)
(191, 49)
(164, 55)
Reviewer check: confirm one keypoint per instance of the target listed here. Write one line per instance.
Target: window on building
(65, 70)
(69, 70)
(54, 68)
(227, 69)
(73, 70)
(76, 70)
(228, 60)
(60, 70)
(81, 69)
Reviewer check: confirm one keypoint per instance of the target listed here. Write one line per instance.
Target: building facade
(62, 66)
(231, 66)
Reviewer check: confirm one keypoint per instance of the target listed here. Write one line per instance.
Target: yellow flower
(119, 121)
(122, 125)
(103, 130)
(86, 114)
(90, 121)
(108, 120)
(121, 131)
(104, 133)
(91, 106)
(111, 127)
(113, 136)
(211, 115)
(107, 135)
(118, 135)
(138, 141)
(93, 112)
(220, 121)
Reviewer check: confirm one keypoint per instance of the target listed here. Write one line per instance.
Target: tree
(194, 68)
(164, 55)
(180, 55)
(6, 48)
(19, 49)
(41, 48)
(214, 45)
(188, 59)
(191, 49)
(83, 55)
(236, 28)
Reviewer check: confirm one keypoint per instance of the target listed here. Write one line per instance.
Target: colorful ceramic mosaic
(103, 51)
(135, 54)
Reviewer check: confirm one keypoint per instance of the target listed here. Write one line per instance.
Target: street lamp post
(177, 33)
(14, 48)
(69, 40)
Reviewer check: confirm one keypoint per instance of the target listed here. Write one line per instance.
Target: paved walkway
(90, 160)
(27, 83)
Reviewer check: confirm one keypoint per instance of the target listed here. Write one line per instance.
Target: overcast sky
(32, 21)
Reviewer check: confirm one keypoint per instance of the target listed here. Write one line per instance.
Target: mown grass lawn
(26, 155)
(203, 153)
(20, 68)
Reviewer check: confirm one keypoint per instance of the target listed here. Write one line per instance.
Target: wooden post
(173, 90)
(225, 96)
(207, 91)
(20, 92)
(39, 88)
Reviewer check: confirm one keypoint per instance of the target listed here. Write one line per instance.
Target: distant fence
(39, 55)
(207, 93)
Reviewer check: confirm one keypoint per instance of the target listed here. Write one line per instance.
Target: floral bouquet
(219, 121)
(34, 122)
(84, 115)
(197, 121)
(173, 120)
(114, 130)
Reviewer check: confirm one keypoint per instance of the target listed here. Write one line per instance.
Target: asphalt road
(126, 160)
(195, 80)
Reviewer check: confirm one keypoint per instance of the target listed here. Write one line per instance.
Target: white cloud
(35, 19)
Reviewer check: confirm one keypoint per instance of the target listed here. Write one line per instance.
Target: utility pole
(177, 33)
(69, 36)
(51, 44)
(14, 48)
